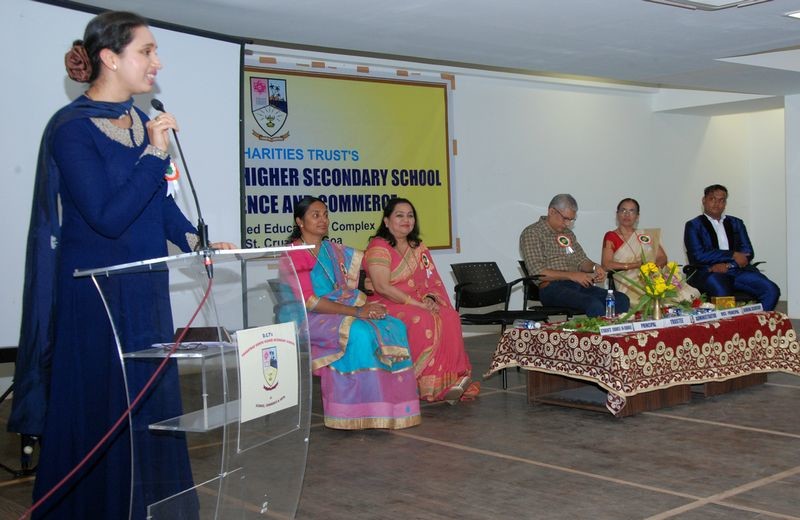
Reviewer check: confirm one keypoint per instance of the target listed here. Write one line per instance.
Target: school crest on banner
(270, 107)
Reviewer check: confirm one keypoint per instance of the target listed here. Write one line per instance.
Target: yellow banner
(353, 142)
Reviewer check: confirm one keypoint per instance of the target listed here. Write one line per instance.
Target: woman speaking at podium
(106, 164)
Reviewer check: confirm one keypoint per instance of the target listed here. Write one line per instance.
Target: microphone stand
(202, 228)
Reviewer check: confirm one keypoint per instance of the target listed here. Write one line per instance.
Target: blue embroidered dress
(114, 209)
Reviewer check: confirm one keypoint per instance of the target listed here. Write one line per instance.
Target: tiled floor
(735, 456)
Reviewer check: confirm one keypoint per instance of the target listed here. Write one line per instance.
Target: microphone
(202, 229)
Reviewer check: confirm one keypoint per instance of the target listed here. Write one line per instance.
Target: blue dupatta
(34, 353)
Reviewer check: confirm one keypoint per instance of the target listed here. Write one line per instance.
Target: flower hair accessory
(79, 67)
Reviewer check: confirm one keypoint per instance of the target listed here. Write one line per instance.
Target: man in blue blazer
(719, 249)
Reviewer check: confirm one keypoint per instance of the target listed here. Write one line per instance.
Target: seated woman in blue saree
(360, 354)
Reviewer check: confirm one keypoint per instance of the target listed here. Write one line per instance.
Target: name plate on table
(675, 321)
(619, 328)
(729, 313)
(706, 316)
(646, 325)
(622, 328)
(749, 309)
(672, 321)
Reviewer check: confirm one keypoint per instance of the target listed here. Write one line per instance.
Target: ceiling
(753, 49)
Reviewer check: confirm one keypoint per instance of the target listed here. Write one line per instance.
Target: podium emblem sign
(268, 365)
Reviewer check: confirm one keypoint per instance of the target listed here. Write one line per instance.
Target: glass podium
(235, 381)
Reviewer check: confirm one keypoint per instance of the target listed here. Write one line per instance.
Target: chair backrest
(530, 289)
(286, 305)
(483, 284)
(364, 283)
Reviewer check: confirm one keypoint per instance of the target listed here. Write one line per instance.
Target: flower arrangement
(656, 284)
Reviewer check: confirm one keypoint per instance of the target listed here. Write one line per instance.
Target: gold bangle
(408, 299)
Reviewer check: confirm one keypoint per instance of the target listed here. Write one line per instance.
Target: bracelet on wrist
(156, 151)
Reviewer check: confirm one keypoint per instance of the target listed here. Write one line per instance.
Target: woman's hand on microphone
(158, 130)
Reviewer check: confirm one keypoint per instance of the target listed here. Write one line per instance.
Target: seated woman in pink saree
(404, 278)
(359, 352)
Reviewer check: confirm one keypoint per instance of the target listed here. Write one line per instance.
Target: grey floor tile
(719, 512)
(782, 496)
(388, 476)
(499, 457)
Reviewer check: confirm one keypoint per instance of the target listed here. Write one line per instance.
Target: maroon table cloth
(628, 364)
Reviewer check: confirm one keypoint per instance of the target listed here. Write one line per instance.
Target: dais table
(651, 369)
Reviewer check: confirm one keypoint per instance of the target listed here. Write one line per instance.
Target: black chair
(612, 284)
(481, 284)
(27, 443)
(363, 286)
(531, 294)
(286, 305)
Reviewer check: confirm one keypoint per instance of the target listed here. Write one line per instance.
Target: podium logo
(269, 367)
(270, 107)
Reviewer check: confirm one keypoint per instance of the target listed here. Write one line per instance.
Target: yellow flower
(652, 268)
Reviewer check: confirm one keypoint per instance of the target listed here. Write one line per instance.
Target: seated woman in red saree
(625, 248)
(404, 278)
(359, 352)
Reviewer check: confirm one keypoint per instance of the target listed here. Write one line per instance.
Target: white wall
(521, 142)
(792, 126)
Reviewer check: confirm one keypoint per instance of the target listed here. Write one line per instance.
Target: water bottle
(526, 324)
(611, 304)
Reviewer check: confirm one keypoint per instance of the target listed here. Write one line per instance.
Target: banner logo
(270, 107)
(269, 367)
